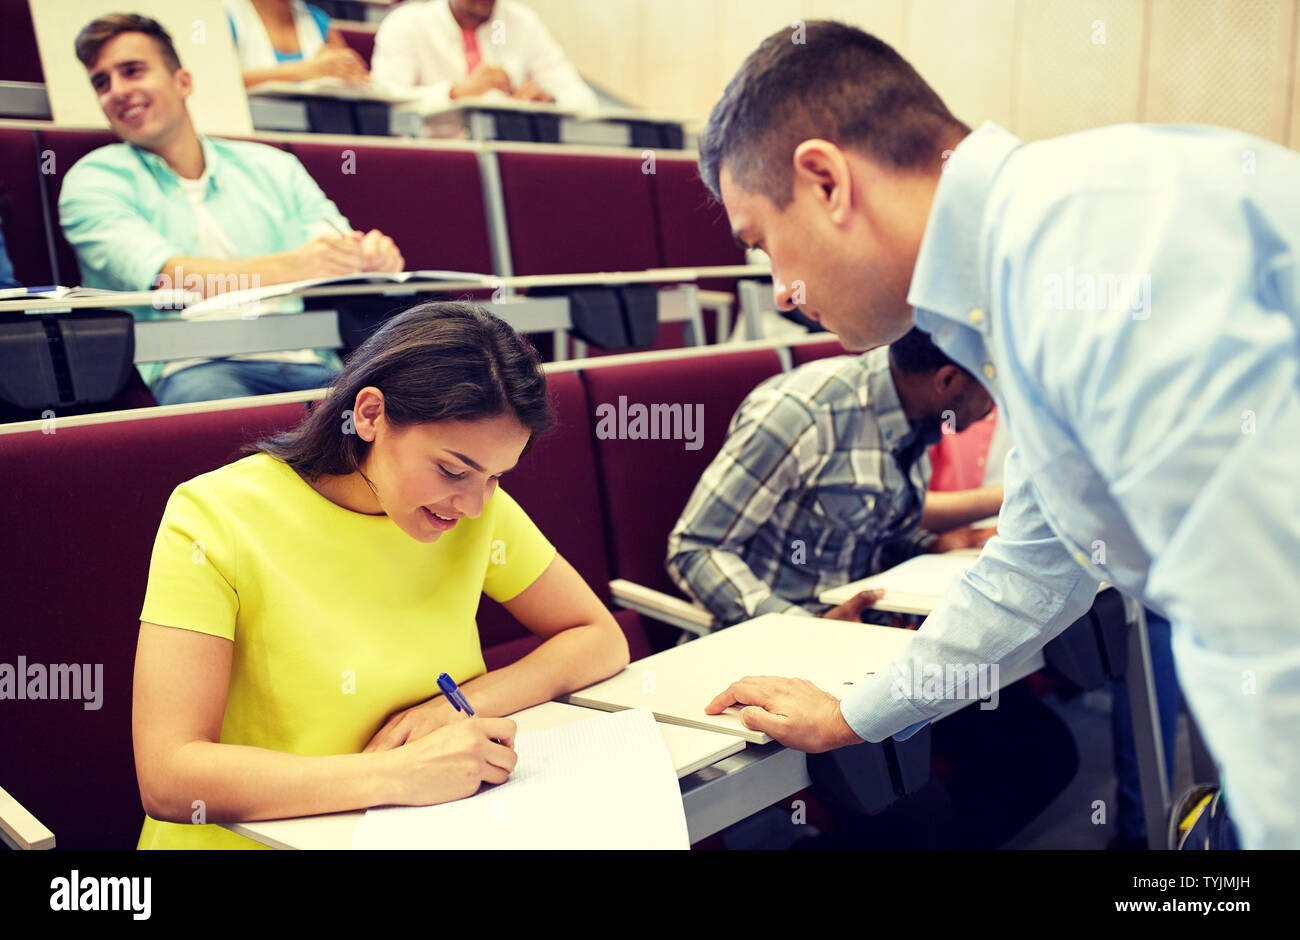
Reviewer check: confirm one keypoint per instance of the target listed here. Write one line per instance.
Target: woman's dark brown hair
(434, 362)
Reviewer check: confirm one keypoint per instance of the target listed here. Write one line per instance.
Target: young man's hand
(485, 78)
(379, 252)
(852, 608)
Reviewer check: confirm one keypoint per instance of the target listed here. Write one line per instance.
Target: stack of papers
(602, 783)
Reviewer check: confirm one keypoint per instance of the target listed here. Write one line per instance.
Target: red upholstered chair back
(59, 150)
(555, 483)
(646, 483)
(81, 509)
(429, 201)
(22, 213)
(359, 38)
(694, 230)
(799, 355)
(573, 214)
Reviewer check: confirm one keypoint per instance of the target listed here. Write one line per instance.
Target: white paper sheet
(924, 574)
(603, 783)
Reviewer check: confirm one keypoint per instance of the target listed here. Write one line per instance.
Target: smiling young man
(169, 207)
(1154, 441)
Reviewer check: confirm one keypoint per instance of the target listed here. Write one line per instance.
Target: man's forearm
(213, 276)
(944, 511)
(722, 582)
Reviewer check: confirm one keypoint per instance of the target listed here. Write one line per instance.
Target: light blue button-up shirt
(1131, 298)
(123, 211)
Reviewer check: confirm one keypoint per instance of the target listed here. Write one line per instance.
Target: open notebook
(914, 587)
(605, 782)
(243, 304)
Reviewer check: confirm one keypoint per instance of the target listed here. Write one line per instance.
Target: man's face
(143, 100)
(845, 276)
(970, 402)
(475, 11)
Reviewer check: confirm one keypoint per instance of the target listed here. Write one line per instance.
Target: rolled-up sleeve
(116, 246)
(1024, 589)
(757, 466)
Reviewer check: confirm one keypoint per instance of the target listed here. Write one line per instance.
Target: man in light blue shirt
(169, 208)
(1130, 298)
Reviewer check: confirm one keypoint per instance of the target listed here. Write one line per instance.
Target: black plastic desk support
(866, 778)
(610, 317)
(65, 360)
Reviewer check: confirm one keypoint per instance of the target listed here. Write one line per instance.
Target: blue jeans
(1130, 820)
(236, 378)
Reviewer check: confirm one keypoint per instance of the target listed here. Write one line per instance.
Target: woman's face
(426, 477)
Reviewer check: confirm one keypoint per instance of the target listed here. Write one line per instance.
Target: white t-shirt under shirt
(214, 243)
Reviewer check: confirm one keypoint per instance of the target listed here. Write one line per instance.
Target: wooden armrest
(672, 610)
(19, 829)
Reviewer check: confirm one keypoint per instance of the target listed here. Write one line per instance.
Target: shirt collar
(166, 177)
(947, 279)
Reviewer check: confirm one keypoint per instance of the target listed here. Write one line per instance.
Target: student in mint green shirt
(169, 208)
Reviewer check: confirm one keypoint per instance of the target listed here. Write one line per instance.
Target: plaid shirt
(821, 481)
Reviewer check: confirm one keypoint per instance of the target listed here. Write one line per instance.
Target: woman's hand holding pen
(413, 723)
(450, 763)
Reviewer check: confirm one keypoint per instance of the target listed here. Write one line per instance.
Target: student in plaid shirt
(822, 480)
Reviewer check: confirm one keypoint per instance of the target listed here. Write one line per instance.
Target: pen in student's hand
(456, 696)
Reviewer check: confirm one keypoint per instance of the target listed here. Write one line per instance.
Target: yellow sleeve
(519, 553)
(192, 571)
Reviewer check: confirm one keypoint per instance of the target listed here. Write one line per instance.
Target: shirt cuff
(874, 714)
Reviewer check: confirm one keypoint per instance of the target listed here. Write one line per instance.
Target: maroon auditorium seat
(560, 462)
(646, 483)
(573, 214)
(434, 213)
(81, 510)
(359, 37)
(807, 353)
(23, 215)
(60, 149)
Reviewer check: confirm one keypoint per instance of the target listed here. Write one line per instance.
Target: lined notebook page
(606, 782)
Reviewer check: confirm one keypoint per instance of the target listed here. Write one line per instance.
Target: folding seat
(82, 507)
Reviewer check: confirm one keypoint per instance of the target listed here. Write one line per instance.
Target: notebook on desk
(237, 304)
(677, 683)
(605, 782)
(914, 587)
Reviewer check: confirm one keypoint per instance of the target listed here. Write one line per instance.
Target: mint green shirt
(123, 212)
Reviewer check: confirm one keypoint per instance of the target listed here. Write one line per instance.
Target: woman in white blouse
(290, 41)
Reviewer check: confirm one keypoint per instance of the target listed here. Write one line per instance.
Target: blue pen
(456, 697)
(454, 694)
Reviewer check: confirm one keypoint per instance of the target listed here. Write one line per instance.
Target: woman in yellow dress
(303, 600)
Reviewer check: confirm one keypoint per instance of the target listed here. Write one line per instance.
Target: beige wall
(1039, 67)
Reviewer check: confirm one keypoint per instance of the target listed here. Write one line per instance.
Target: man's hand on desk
(529, 90)
(413, 723)
(793, 711)
(485, 78)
